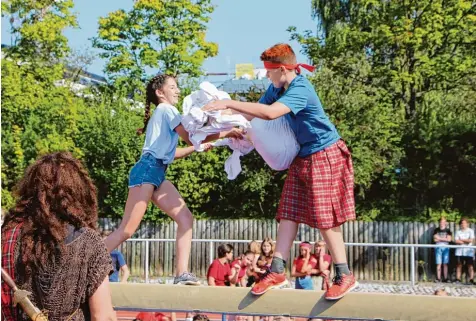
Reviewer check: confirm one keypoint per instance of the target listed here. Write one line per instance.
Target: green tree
(164, 35)
(412, 47)
(36, 28)
(38, 116)
(110, 146)
(414, 64)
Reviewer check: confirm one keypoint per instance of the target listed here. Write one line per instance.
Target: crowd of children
(312, 265)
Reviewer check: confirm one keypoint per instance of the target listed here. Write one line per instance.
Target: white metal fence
(211, 249)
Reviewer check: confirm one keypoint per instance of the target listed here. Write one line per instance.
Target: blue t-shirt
(117, 262)
(161, 139)
(313, 129)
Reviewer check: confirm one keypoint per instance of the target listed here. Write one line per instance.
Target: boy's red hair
(280, 53)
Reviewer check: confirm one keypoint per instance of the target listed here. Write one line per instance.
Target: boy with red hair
(319, 188)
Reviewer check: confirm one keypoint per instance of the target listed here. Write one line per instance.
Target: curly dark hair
(155, 83)
(55, 192)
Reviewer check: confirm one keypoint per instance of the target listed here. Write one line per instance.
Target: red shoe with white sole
(271, 281)
(341, 286)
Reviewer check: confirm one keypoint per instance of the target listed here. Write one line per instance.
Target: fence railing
(211, 249)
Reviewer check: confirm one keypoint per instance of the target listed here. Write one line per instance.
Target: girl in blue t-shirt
(147, 178)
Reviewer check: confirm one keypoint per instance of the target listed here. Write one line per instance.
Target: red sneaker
(341, 286)
(271, 281)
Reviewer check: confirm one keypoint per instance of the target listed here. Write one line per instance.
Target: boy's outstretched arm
(252, 109)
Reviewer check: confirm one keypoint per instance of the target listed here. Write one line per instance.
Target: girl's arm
(234, 275)
(244, 281)
(182, 152)
(315, 271)
(323, 264)
(306, 266)
(183, 134)
(254, 265)
(233, 133)
(211, 281)
(296, 274)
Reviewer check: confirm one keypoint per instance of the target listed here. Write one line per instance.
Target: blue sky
(242, 28)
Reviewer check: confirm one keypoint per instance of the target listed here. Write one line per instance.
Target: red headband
(274, 65)
(309, 246)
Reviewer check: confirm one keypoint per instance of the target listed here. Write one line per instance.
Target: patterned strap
(9, 237)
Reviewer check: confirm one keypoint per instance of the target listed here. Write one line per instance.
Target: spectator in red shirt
(241, 265)
(324, 261)
(154, 316)
(303, 266)
(267, 251)
(220, 273)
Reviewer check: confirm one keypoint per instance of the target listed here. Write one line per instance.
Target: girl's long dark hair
(155, 83)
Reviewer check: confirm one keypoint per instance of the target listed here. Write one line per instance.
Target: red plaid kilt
(319, 189)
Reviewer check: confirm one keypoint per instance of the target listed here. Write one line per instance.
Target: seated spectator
(54, 251)
(220, 273)
(154, 316)
(254, 271)
(241, 265)
(464, 256)
(282, 318)
(234, 317)
(266, 257)
(201, 317)
(323, 266)
(442, 236)
(303, 266)
(118, 264)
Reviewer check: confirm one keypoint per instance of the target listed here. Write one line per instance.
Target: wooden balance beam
(290, 302)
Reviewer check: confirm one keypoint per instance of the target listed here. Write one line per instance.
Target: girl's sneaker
(186, 278)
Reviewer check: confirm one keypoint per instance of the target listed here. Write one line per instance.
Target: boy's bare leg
(344, 281)
(287, 231)
(335, 243)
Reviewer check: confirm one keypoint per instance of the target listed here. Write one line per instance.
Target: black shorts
(465, 260)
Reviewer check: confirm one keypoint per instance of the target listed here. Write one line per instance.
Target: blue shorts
(304, 283)
(148, 170)
(442, 255)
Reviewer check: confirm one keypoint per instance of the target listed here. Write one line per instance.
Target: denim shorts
(442, 255)
(148, 170)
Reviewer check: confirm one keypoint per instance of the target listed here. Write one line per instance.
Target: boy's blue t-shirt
(117, 262)
(313, 129)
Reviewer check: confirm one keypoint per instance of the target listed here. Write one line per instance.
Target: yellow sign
(244, 71)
